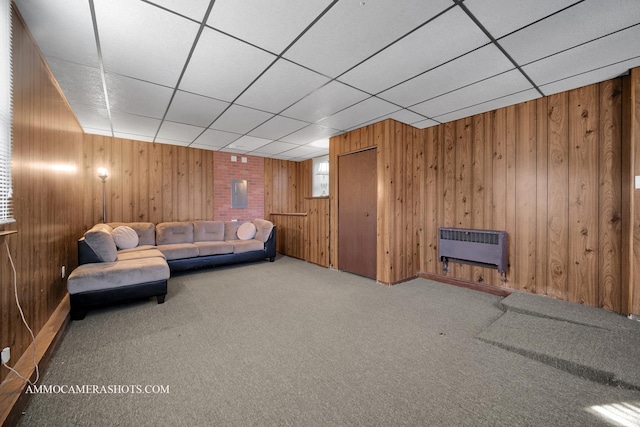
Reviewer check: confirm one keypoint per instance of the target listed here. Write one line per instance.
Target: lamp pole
(103, 174)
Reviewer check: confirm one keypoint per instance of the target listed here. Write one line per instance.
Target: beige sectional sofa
(109, 274)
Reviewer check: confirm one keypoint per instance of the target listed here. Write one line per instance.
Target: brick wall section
(224, 170)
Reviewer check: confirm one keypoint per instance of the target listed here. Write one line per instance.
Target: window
(5, 112)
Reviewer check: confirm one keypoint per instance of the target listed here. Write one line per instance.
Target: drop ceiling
(277, 78)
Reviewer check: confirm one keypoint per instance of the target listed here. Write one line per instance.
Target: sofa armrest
(270, 245)
(86, 255)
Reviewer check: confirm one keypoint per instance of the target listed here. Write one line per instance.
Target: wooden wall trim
(482, 287)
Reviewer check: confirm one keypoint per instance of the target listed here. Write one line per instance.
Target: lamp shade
(103, 173)
(323, 168)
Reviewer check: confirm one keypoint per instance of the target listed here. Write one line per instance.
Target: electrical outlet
(64, 271)
(6, 354)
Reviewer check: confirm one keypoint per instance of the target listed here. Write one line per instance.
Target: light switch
(637, 182)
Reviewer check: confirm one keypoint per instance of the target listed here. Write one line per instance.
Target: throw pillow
(125, 237)
(246, 231)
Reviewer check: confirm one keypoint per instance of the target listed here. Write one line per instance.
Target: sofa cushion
(240, 246)
(246, 231)
(179, 250)
(146, 231)
(145, 253)
(98, 276)
(208, 231)
(214, 248)
(231, 230)
(101, 241)
(136, 249)
(263, 229)
(168, 233)
(125, 237)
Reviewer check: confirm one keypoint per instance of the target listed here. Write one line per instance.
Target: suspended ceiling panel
(255, 20)
(280, 86)
(277, 78)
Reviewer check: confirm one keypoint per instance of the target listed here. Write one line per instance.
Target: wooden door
(357, 213)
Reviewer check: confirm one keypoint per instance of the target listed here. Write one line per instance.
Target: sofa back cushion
(231, 230)
(101, 241)
(263, 229)
(168, 233)
(208, 231)
(146, 231)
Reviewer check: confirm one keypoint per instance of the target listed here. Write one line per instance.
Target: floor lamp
(103, 174)
(323, 170)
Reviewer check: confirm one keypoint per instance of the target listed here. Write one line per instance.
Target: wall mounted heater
(483, 248)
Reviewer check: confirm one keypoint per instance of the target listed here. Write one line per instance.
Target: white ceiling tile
(277, 127)
(501, 17)
(203, 147)
(195, 109)
(235, 151)
(280, 86)
(353, 30)
(305, 151)
(359, 113)
(477, 65)
(403, 116)
(194, 9)
(425, 124)
(222, 67)
(169, 142)
(80, 83)
(325, 101)
(446, 37)
(216, 138)
(512, 99)
(91, 117)
(102, 132)
(178, 132)
(240, 119)
(272, 25)
(309, 134)
(579, 24)
(599, 53)
(275, 147)
(590, 77)
(133, 136)
(132, 124)
(498, 86)
(143, 41)
(248, 143)
(281, 157)
(133, 96)
(57, 25)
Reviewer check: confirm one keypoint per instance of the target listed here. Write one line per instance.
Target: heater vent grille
(485, 248)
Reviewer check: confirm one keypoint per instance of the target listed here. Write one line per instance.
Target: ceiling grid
(273, 78)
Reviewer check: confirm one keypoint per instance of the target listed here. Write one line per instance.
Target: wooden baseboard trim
(13, 400)
(489, 289)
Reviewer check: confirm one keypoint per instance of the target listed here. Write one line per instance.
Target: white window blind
(5, 112)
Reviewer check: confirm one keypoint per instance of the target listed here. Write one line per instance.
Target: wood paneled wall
(147, 181)
(317, 232)
(286, 184)
(47, 182)
(631, 197)
(400, 157)
(549, 172)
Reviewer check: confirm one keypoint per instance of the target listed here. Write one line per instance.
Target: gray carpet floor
(291, 343)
